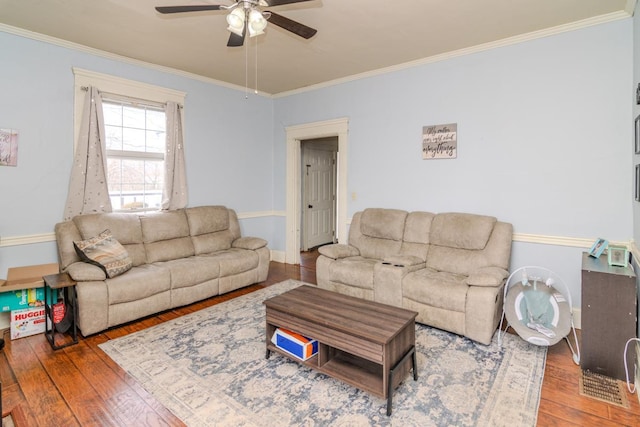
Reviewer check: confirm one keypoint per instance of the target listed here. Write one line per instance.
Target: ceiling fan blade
(236, 40)
(291, 25)
(180, 9)
(281, 2)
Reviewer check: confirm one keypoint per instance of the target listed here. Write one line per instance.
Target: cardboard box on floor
(24, 286)
(27, 322)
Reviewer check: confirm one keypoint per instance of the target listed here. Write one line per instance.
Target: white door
(319, 176)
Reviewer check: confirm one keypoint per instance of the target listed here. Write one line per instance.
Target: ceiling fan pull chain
(256, 76)
(246, 70)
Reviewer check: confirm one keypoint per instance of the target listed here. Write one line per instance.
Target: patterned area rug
(209, 369)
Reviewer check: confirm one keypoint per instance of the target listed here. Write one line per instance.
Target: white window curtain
(174, 194)
(88, 189)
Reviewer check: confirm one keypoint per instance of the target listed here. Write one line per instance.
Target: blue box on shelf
(295, 344)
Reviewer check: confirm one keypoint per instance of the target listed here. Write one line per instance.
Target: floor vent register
(603, 388)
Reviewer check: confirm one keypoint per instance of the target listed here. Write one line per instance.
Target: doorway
(295, 136)
(318, 181)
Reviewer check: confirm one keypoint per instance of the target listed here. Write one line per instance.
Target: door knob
(310, 206)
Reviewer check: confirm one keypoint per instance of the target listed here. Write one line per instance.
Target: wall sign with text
(440, 141)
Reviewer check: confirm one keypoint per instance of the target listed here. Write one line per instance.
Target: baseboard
(278, 256)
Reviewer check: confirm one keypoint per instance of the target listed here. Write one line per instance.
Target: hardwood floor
(81, 386)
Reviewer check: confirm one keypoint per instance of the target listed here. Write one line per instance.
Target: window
(135, 146)
(135, 122)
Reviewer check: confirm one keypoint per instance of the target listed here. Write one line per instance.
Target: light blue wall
(228, 146)
(543, 139)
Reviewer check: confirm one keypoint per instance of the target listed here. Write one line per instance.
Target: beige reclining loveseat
(449, 267)
(176, 258)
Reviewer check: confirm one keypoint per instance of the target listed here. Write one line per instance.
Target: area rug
(209, 369)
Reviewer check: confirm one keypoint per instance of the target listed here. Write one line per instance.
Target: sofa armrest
(250, 243)
(338, 250)
(403, 260)
(85, 272)
(487, 276)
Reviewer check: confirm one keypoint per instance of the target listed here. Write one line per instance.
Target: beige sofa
(449, 267)
(176, 258)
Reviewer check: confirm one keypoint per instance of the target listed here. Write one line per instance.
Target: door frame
(295, 136)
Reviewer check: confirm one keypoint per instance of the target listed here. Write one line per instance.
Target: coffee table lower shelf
(353, 370)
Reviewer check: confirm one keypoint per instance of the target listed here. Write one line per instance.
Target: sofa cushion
(461, 230)
(139, 283)
(355, 271)
(164, 225)
(338, 250)
(417, 230)
(436, 288)
(234, 261)
(106, 252)
(125, 227)
(417, 227)
(487, 276)
(383, 223)
(207, 219)
(250, 243)
(191, 271)
(85, 272)
(403, 260)
(166, 236)
(212, 242)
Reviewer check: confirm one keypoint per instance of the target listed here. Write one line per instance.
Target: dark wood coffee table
(363, 343)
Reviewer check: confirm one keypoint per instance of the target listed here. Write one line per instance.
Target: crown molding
(115, 57)
(572, 26)
(597, 20)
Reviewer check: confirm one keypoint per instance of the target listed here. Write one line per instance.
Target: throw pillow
(106, 252)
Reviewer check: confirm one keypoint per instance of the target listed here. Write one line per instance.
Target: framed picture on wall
(637, 134)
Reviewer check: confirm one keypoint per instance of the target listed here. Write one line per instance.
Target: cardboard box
(24, 286)
(28, 321)
(295, 344)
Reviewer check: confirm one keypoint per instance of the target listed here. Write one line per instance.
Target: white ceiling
(354, 37)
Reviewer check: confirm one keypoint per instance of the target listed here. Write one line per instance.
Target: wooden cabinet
(609, 317)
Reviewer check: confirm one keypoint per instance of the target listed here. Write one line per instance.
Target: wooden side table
(62, 283)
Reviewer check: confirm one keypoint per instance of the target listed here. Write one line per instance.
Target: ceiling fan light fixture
(253, 33)
(257, 23)
(235, 19)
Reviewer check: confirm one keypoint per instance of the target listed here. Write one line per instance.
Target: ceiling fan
(246, 16)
